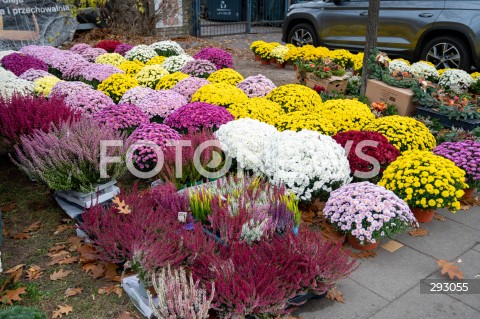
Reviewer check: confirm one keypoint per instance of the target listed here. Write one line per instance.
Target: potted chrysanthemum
(367, 213)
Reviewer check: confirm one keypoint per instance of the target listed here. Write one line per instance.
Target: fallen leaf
(33, 227)
(465, 207)
(97, 270)
(58, 258)
(73, 292)
(68, 261)
(330, 233)
(364, 254)
(450, 269)
(439, 217)
(56, 249)
(34, 272)
(88, 254)
(60, 253)
(111, 272)
(111, 290)
(335, 295)
(17, 275)
(419, 232)
(127, 315)
(75, 242)
(121, 206)
(62, 228)
(13, 295)
(14, 269)
(21, 236)
(60, 274)
(62, 310)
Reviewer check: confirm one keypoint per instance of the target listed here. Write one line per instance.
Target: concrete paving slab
(447, 240)
(392, 274)
(415, 305)
(470, 266)
(469, 217)
(360, 303)
(477, 248)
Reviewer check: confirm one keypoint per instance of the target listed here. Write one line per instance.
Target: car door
(344, 25)
(402, 23)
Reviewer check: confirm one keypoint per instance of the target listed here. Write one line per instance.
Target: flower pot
(273, 61)
(468, 193)
(258, 58)
(280, 65)
(295, 67)
(355, 243)
(423, 215)
(265, 62)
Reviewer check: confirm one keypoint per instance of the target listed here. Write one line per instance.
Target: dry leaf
(450, 269)
(127, 315)
(439, 217)
(97, 270)
(419, 232)
(13, 295)
(60, 274)
(121, 206)
(335, 295)
(62, 228)
(14, 269)
(34, 272)
(21, 236)
(58, 258)
(88, 254)
(73, 292)
(363, 254)
(68, 261)
(17, 275)
(75, 242)
(111, 290)
(33, 227)
(62, 310)
(330, 233)
(111, 272)
(56, 249)
(60, 253)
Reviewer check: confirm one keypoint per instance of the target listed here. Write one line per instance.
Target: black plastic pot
(445, 121)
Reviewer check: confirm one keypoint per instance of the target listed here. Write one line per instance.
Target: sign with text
(24, 22)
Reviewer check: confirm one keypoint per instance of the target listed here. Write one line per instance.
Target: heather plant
(25, 114)
(189, 175)
(221, 58)
(179, 296)
(150, 216)
(67, 157)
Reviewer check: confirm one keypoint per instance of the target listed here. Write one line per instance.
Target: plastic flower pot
(468, 193)
(273, 61)
(258, 58)
(423, 215)
(280, 65)
(265, 62)
(355, 243)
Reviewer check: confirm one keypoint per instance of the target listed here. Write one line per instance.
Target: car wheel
(447, 52)
(303, 34)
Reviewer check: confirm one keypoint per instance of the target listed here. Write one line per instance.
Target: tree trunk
(371, 39)
(132, 17)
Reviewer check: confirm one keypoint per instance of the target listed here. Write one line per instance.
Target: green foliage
(19, 312)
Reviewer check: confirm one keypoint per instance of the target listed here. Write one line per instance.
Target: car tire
(303, 34)
(447, 52)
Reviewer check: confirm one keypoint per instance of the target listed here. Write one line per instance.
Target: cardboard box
(377, 91)
(335, 83)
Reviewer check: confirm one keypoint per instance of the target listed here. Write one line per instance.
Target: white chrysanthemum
(167, 48)
(306, 162)
(150, 75)
(279, 52)
(244, 140)
(399, 65)
(142, 53)
(424, 70)
(175, 63)
(456, 80)
(12, 85)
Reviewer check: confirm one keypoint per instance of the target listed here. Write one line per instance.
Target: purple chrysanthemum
(32, 74)
(90, 54)
(135, 95)
(18, 63)
(197, 116)
(162, 103)
(256, 86)
(122, 117)
(88, 101)
(221, 58)
(187, 87)
(80, 47)
(199, 68)
(64, 89)
(123, 48)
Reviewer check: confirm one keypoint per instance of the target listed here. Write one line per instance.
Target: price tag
(182, 217)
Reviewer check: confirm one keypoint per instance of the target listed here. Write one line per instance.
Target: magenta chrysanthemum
(198, 115)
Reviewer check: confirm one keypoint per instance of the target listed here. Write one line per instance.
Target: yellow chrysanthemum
(220, 94)
(156, 60)
(258, 109)
(44, 85)
(114, 59)
(227, 76)
(346, 115)
(150, 75)
(170, 80)
(296, 97)
(116, 85)
(301, 120)
(131, 67)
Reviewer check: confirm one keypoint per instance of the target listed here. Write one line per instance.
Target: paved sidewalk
(388, 286)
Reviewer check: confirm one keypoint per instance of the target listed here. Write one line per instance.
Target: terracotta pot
(468, 193)
(273, 61)
(280, 65)
(265, 62)
(295, 67)
(423, 215)
(353, 241)
(258, 58)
